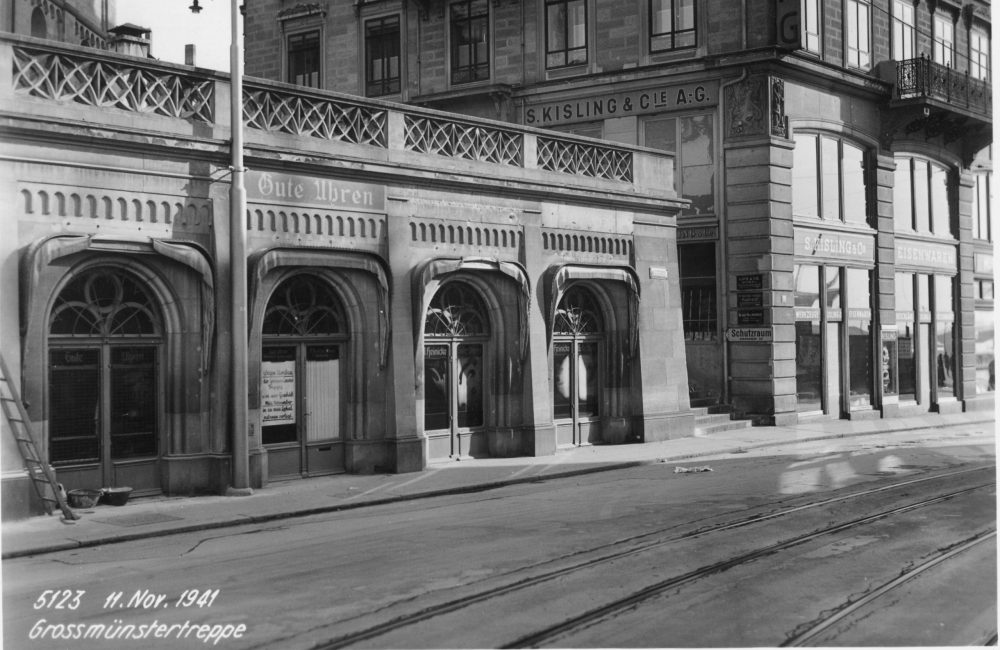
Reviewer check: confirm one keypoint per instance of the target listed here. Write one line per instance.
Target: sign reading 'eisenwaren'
(319, 192)
(929, 255)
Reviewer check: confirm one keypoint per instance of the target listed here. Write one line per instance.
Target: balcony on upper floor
(938, 101)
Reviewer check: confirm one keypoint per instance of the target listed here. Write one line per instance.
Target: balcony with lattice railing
(87, 86)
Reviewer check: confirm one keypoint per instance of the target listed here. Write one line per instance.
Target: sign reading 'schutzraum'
(750, 334)
(319, 192)
(832, 245)
(637, 102)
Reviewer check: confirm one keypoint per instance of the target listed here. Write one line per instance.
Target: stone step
(702, 430)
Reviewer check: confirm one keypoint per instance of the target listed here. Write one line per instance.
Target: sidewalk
(153, 517)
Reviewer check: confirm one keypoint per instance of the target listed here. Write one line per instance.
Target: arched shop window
(829, 180)
(920, 197)
(302, 306)
(302, 377)
(576, 348)
(105, 334)
(456, 330)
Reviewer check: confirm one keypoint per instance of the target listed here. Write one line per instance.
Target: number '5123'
(59, 599)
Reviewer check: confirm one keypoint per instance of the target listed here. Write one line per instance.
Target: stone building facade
(836, 258)
(421, 286)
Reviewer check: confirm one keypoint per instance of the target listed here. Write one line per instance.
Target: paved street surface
(886, 538)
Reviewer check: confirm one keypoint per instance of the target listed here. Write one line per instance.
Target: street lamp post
(237, 262)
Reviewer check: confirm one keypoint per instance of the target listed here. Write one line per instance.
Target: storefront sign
(834, 246)
(287, 189)
(277, 392)
(753, 282)
(637, 102)
(694, 233)
(750, 316)
(927, 255)
(751, 334)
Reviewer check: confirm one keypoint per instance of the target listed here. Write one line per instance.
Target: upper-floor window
(829, 179)
(859, 48)
(810, 26)
(382, 56)
(470, 45)
(903, 30)
(692, 139)
(920, 197)
(303, 59)
(565, 33)
(981, 222)
(944, 40)
(979, 54)
(39, 26)
(671, 24)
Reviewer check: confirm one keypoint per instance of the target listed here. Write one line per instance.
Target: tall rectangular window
(698, 297)
(829, 179)
(940, 206)
(303, 59)
(944, 336)
(811, 36)
(859, 336)
(692, 139)
(902, 194)
(382, 56)
(981, 226)
(565, 33)
(979, 54)
(859, 50)
(470, 46)
(903, 30)
(944, 40)
(671, 25)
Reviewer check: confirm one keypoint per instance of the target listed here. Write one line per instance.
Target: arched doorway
(302, 379)
(456, 334)
(105, 342)
(577, 347)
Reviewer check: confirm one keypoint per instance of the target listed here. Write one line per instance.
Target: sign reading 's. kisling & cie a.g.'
(636, 102)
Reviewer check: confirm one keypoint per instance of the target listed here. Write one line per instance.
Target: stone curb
(430, 494)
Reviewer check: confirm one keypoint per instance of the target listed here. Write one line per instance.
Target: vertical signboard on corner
(788, 14)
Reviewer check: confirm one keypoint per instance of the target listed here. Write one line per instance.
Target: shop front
(834, 327)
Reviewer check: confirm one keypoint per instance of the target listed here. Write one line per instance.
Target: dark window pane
(74, 400)
(436, 380)
(303, 59)
(470, 55)
(133, 402)
(808, 365)
(565, 33)
(470, 385)
(382, 48)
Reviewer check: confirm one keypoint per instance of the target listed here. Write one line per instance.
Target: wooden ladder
(42, 477)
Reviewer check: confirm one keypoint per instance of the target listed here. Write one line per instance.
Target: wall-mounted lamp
(195, 7)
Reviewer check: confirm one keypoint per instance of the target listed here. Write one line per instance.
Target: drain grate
(139, 519)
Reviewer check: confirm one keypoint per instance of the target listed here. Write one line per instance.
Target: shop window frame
(925, 194)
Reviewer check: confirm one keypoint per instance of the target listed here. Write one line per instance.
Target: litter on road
(691, 470)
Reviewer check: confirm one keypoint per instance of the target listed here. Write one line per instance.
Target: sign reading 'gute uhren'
(320, 192)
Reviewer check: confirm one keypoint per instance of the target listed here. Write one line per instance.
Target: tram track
(642, 544)
(803, 636)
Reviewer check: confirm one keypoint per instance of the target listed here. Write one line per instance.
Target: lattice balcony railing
(584, 159)
(95, 82)
(922, 77)
(447, 138)
(319, 118)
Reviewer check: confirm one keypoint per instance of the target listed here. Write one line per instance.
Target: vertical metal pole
(238, 261)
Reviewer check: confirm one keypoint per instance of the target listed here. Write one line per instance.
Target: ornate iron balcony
(923, 79)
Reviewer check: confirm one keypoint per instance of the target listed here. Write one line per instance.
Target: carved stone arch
(557, 280)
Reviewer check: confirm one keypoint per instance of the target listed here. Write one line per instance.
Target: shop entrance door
(302, 381)
(456, 332)
(300, 409)
(103, 384)
(576, 368)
